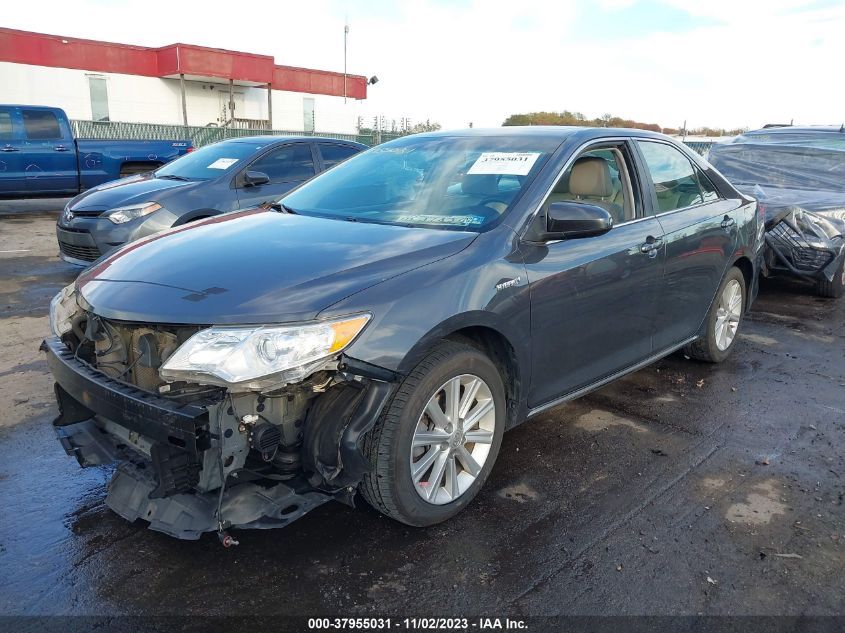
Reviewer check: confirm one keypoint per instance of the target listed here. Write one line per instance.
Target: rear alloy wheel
(435, 444)
(834, 288)
(723, 320)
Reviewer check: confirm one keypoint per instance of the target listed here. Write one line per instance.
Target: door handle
(728, 223)
(9, 148)
(60, 148)
(651, 246)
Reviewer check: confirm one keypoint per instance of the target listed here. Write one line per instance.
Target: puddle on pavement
(42, 490)
(761, 505)
(759, 339)
(521, 493)
(598, 420)
(714, 483)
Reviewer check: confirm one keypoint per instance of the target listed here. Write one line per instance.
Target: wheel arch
(746, 267)
(132, 167)
(483, 331)
(196, 214)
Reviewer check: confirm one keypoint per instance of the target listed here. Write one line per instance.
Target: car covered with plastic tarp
(797, 176)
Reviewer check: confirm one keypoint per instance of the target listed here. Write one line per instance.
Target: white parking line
(19, 250)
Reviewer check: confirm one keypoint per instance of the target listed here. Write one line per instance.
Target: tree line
(608, 120)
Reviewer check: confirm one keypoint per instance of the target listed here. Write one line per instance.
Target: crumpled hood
(255, 266)
(131, 190)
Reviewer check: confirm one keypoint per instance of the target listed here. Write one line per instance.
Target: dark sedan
(227, 176)
(382, 327)
(797, 175)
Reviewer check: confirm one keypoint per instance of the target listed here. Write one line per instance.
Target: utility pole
(269, 106)
(231, 103)
(184, 102)
(345, 38)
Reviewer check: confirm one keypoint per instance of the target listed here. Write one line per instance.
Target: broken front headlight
(258, 357)
(63, 308)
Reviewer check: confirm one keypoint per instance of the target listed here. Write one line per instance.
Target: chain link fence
(700, 147)
(200, 136)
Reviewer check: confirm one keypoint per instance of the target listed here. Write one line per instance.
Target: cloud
(735, 63)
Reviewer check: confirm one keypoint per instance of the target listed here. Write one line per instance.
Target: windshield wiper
(173, 177)
(283, 208)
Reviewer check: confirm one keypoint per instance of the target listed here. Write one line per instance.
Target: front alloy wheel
(435, 444)
(452, 439)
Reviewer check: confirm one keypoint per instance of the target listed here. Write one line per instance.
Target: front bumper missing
(178, 434)
(162, 446)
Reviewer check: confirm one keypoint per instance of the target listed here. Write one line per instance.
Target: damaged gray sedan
(380, 329)
(797, 175)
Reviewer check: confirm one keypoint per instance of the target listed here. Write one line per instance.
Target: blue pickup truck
(39, 157)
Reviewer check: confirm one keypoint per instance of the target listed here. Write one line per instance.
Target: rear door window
(673, 176)
(334, 153)
(41, 125)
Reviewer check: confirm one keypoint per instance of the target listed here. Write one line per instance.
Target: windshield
(463, 183)
(209, 162)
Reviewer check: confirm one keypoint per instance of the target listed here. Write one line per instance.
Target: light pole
(345, 37)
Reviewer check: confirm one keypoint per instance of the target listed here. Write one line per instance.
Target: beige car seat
(590, 181)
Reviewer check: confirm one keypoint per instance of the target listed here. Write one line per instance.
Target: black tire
(705, 347)
(833, 289)
(388, 487)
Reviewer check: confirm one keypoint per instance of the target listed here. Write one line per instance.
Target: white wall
(138, 99)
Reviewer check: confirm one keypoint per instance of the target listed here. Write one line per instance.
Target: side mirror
(255, 178)
(567, 220)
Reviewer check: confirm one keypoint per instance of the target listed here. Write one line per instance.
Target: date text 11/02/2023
(423, 624)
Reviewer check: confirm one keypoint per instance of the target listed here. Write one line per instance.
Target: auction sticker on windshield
(510, 163)
(223, 163)
(459, 220)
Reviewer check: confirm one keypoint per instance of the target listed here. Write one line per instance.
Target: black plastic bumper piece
(334, 428)
(178, 432)
(785, 256)
(187, 516)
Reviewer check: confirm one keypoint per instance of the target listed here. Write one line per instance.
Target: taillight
(189, 150)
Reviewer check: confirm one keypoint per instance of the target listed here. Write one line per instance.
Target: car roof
(266, 139)
(791, 129)
(560, 132)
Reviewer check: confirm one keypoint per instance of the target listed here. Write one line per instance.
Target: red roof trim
(39, 49)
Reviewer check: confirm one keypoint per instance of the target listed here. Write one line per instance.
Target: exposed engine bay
(196, 458)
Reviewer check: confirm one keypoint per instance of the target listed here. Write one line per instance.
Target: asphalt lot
(684, 488)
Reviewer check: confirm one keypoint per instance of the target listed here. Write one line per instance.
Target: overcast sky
(726, 63)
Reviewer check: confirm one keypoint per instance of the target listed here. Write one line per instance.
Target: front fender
(485, 285)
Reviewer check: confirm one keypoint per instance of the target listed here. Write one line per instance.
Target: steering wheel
(485, 211)
(493, 202)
